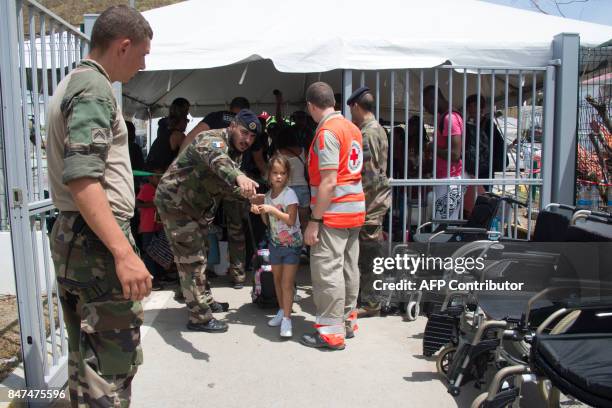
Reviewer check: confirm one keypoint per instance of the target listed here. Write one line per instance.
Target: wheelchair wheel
(445, 358)
(479, 400)
(412, 311)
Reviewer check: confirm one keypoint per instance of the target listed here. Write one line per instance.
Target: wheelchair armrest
(465, 230)
(561, 206)
(440, 221)
(511, 200)
(449, 222)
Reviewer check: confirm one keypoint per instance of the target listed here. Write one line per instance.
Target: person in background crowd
(290, 147)
(447, 198)
(377, 194)
(148, 226)
(338, 212)
(486, 141)
(472, 151)
(136, 157)
(100, 278)
(399, 138)
(218, 119)
(137, 162)
(305, 131)
(170, 135)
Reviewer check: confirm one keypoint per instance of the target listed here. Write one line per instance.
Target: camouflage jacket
(202, 175)
(374, 173)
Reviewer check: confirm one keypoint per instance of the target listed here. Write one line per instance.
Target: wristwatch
(317, 220)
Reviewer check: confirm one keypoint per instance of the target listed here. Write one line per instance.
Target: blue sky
(595, 11)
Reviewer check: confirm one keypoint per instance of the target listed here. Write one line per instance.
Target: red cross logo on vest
(355, 158)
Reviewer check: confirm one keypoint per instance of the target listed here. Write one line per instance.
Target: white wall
(7, 274)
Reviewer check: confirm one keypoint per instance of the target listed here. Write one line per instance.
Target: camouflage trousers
(103, 328)
(370, 247)
(234, 212)
(189, 242)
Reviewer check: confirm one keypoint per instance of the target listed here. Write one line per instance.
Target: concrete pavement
(251, 366)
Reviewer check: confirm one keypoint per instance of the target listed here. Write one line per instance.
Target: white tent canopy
(200, 50)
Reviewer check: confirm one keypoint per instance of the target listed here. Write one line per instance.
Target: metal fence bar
(11, 72)
(517, 170)
(43, 60)
(62, 55)
(478, 108)
(49, 278)
(38, 303)
(491, 124)
(24, 98)
(68, 51)
(463, 133)
(392, 128)
(531, 174)
(38, 184)
(449, 144)
(378, 95)
(36, 103)
(548, 137)
(493, 68)
(504, 168)
(420, 192)
(407, 208)
(435, 142)
(52, 35)
(392, 120)
(465, 182)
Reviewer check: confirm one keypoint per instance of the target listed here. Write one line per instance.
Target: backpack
(263, 293)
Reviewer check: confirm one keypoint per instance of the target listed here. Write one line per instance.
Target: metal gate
(520, 105)
(38, 49)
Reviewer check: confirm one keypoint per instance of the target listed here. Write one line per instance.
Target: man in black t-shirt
(219, 119)
(163, 151)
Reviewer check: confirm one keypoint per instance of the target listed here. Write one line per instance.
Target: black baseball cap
(357, 94)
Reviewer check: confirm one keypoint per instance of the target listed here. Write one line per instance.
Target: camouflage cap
(249, 120)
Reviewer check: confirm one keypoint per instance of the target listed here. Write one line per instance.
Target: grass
(10, 338)
(72, 10)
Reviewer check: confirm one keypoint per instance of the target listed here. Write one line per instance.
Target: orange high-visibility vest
(347, 208)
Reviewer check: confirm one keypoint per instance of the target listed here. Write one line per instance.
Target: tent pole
(566, 48)
(347, 90)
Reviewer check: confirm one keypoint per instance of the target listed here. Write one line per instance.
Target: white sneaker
(276, 320)
(285, 330)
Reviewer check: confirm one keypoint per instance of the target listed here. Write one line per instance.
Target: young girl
(279, 212)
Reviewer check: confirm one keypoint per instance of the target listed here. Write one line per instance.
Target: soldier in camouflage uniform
(377, 194)
(234, 208)
(205, 173)
(100, 278)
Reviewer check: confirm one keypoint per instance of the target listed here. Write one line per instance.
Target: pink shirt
(456, 131)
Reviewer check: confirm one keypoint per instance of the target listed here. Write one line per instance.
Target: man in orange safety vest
(337, 202)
